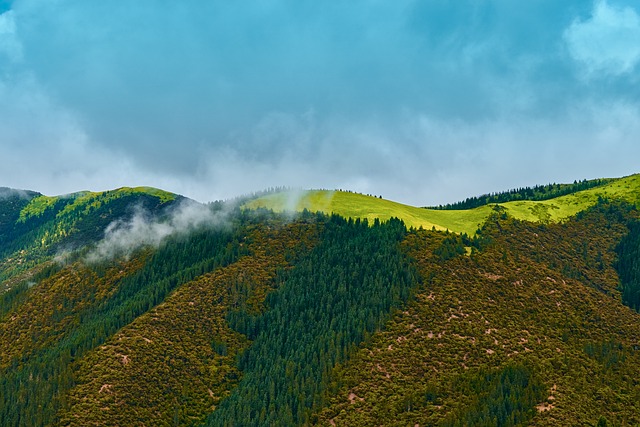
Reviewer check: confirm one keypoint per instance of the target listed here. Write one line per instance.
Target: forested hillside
(138, 307)
(529, 329)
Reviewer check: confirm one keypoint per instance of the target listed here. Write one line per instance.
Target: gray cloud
(420, 101)
(423, 159)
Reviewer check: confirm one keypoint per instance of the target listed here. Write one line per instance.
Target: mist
(7, 193)
(123, 237)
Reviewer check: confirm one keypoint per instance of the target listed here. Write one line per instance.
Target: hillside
(467, 221)
(139, 307)
(36, 228)
(528, 329)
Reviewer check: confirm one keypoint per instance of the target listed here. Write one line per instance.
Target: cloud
(420, 101)
(607, 43)
(424, 159)
(9, 44)
(44, 146)
(122, 238)
(194, 74)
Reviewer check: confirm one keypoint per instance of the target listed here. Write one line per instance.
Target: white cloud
(10, 45)
(608, 43)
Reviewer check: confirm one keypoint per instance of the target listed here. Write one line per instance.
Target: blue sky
(423, 102)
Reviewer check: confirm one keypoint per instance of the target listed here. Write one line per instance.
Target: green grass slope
(360, 206)
(462, 221)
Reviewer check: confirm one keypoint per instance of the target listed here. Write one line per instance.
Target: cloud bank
(424, 102)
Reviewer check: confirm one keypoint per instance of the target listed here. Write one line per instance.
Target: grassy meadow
(356, 205)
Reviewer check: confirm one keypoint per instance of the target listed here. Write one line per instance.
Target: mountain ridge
(461, 220)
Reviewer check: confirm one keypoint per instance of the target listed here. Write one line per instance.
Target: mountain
(140, 307)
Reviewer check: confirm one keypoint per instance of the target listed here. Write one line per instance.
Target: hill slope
(36, 228)
(530, 302)
(139, 307)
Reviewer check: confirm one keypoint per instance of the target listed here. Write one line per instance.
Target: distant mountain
(141, 307)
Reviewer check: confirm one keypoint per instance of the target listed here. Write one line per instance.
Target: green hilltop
(35, 227)
(357, 205)
(87, 200)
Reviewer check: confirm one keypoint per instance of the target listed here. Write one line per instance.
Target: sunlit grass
(361, 206)
(87, 201)
(462, 221)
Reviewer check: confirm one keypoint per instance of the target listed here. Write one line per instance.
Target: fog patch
(64, 257)
(12, 193)
(123, 237)
(292, 199)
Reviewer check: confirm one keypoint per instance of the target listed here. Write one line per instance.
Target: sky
(420, 101)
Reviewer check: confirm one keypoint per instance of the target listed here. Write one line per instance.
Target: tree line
(537, 193)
